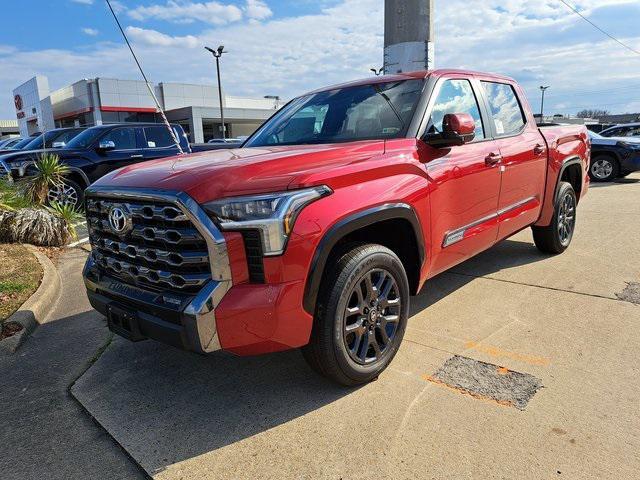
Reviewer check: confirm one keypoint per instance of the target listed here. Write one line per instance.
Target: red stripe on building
(74, 113)
(127, 109)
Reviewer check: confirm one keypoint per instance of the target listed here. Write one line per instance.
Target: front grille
(162, 249)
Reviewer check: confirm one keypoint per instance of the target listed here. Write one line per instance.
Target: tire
(604, 168)
(349, 347)
(69, 193)
(556, 237)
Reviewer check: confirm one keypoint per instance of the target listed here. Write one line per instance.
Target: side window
(123, 138)
(158, 137)
(455, 96)
(631, 132)
(505, 108)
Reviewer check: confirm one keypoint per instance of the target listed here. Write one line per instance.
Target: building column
(195, 125)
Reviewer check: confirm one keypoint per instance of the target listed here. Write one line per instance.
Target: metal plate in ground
(487, 381)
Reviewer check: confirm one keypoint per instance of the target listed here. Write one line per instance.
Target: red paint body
(447, 188)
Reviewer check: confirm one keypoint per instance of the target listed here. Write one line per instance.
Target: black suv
(97, 151)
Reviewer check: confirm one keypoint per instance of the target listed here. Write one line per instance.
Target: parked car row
(92, 152)
(613, 157)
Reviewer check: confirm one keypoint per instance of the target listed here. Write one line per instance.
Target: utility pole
(408, 35)
(217, 54)
(543, 89)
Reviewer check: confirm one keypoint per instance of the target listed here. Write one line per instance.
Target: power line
(637, 52)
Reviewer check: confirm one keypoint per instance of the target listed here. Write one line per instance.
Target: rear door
(523, 157)
(465, 180)
(159, 142)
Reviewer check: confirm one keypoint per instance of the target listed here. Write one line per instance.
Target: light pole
(378, 71)
(543, 89)
(217, 54)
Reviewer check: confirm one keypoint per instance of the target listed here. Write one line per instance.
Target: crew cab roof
(414, 75)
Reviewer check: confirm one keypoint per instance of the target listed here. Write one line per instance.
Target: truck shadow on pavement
(506, 254)
(164, 405)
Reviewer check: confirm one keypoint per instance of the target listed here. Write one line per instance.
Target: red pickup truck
(317, 231)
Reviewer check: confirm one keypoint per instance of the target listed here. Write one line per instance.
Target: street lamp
(378, 71)
(217, 54)
(543, 89)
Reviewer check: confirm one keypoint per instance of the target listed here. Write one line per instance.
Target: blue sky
(286, 47)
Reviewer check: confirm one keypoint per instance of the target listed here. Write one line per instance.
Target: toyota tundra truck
(319, 229)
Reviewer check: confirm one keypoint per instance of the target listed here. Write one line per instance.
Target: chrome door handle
(538, 149)
(493, 159)
(136, 156)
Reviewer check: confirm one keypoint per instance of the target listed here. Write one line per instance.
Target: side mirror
(58, 145)
(106, 145)
(457, 129)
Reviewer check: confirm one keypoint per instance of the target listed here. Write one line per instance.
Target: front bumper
(184, 320)
(178, 320)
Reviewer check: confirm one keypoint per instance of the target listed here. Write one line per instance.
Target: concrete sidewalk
(45, 433)
(557, 318)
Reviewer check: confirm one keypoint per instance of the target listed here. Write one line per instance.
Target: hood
(615, 140)
(13, 155)
(223, 173)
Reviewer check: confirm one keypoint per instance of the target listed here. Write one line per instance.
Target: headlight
(631, 146)
(273, 214)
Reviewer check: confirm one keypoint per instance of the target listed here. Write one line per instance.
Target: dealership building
(100, 101)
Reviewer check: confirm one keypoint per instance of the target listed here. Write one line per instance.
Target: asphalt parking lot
(569, 323)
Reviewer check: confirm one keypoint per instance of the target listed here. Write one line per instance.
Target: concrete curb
(35, 310)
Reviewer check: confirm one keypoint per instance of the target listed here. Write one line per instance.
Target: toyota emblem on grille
(119, 222)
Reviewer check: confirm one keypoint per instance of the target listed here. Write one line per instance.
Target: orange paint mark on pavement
(499, 353)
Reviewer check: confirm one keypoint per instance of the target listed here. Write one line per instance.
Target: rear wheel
(556, 237)
(604, 169)
(361, 316)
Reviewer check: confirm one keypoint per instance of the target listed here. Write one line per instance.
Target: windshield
(22, 143)
(36, 143)
(594, 134)
(85, 139)
(364, 112)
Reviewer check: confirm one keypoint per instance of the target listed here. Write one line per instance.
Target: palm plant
(69, 215)
(50, 173)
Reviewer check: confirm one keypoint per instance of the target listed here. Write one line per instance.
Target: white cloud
(257, 10)
(83, 2)
(92, 32)
(157, 39)
(214, 13)
(532, 40)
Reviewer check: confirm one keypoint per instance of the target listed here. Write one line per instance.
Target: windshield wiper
(386, 98)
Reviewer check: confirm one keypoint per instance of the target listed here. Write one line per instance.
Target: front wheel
(556, 237)
(361, 315)
(67, 193)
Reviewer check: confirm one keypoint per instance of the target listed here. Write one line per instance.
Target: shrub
(49, 173)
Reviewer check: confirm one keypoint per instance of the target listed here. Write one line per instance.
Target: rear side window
(455, 96)
(123, 138)
(158, 137)
(505, 108)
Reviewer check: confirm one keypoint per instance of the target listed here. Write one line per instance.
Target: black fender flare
(350, 224)
(82, 175)
(566, 164)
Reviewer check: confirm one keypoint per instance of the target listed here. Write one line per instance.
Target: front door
(125, 152)
(465, 181)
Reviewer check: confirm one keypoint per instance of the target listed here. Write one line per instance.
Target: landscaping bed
(20, 276)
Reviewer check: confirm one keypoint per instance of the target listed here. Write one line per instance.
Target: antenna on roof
(155, 99)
